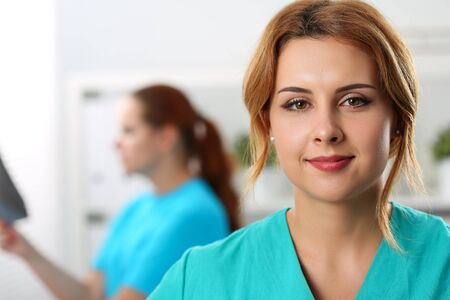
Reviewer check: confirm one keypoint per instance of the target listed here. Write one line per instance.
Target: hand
(13, 242)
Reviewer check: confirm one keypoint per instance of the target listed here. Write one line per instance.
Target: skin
(139, 146)
(327, 101)
(153, 153)
(156, 153)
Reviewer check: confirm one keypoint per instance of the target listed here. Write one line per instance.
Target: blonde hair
(362, 25)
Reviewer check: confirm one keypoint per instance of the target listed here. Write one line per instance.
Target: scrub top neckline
(374, 272)
(178, 189)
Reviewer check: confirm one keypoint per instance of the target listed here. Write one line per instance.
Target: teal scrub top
(153, 232)
(259, 262)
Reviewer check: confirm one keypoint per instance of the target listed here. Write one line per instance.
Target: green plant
(441, 147)
(241, 151)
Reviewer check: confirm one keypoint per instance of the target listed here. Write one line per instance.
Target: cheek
(376, 140)
(142, 147)
(134, 146)
(291, 139)
(372, 142)
(129, 145)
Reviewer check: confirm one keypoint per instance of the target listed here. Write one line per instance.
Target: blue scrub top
(260, 262)
(153, 232)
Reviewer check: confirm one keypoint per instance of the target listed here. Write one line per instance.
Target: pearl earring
(272, 139)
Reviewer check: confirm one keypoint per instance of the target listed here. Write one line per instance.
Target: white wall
(142, 34)
(28, 132)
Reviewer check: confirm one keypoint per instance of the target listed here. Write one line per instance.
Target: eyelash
(288, 105)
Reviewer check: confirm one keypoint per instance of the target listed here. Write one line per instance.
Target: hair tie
(200, 129)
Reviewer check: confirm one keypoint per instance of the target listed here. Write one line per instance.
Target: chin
(128, 171)
(327, 197)
(328, 194)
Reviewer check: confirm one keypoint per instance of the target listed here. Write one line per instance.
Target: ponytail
(167, 105)
(215, 167)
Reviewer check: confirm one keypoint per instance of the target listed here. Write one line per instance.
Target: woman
(180, 152)
(333, 87)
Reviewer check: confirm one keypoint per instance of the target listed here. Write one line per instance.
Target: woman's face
(330, 122)
(137, 143)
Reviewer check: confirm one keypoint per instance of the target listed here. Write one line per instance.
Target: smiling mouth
(333, 163)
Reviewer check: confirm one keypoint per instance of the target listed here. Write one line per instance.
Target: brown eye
(356, 101)
(300, 105)
(296, 105)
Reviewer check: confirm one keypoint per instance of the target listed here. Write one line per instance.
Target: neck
(329, 228)
(169, 175)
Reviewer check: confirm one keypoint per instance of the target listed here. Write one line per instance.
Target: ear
(395, 125)
(265, 121)
(169, 137)
(395, 137)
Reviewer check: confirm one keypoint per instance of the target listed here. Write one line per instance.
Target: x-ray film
(12, 206)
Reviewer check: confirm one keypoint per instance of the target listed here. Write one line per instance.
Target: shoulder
(196, 199)
(237, 249)
(425, 238)
(220, 263)
(137, 202)
(193, 212)
(411, 224)
(132, 207)
(197, 192)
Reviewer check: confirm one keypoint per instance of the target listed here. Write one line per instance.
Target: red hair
(362, 25)
(165, 105)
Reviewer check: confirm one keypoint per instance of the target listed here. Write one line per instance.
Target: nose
(327, 129)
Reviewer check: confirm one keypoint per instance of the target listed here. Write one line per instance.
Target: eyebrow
(296, 89)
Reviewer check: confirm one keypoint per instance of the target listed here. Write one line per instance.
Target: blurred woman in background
(164, 139)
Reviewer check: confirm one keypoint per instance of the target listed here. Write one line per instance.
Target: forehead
(128, 105)
(324, 61)
(129, 109)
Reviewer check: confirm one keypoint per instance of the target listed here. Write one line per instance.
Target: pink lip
(330, 163)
